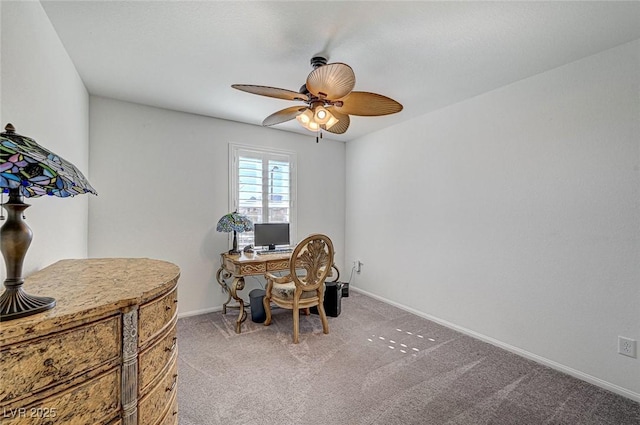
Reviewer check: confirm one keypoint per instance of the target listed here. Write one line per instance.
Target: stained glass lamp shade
(28, 170)
(236, 223)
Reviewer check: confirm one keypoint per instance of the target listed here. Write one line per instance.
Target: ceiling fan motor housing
(318, 61)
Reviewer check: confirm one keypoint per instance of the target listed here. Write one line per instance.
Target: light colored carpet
(378, 365)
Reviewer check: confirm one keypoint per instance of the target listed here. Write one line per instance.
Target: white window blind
(263, 187)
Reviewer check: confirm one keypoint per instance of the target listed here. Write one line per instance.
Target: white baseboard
(198, 312)
(531, 356)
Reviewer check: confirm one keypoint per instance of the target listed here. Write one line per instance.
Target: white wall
(45, 99)
(163, 180)
(514, 215)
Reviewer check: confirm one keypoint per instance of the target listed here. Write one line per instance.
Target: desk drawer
(253, 268)
(155, 358)
(276, 265)
(94, 402)
(153, 405)
(29, 367)
(155, 316)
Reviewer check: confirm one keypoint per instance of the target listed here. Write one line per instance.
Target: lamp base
(234, 250)
(16, 303)
(15, 238)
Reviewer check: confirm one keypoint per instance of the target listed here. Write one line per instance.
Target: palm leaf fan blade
(368, 104)
(332, 81)
(283, 115)
(271, 92)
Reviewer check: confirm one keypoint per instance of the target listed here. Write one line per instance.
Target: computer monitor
(271, 234)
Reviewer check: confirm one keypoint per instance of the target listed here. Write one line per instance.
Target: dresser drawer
(156, 315)
(37, 364)
(94, 402)
(154, 404)
(171, 416)
(153, 360)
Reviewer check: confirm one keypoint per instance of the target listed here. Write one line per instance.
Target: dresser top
(89, 288)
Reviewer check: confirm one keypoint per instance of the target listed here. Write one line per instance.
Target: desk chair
(303, 287)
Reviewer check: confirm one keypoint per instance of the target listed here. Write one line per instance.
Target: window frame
(265, 153)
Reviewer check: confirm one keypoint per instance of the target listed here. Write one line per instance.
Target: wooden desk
(246, 264)
(238, 266)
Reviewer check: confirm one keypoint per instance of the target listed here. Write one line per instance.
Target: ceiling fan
(328, 99)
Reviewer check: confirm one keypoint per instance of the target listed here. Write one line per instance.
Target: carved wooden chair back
(311, 263)
(313, 255)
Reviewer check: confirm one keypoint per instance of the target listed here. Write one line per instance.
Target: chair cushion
(285, 291)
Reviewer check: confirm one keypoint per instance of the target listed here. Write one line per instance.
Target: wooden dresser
(106, 354)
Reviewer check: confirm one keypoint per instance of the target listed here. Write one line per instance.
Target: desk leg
(221, 276)
(238, 285)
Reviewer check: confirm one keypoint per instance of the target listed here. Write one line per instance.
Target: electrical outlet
(627, 346)
(358, 265)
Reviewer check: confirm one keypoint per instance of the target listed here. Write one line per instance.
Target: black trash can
(332, 299)
(256, 297)
(345, 289)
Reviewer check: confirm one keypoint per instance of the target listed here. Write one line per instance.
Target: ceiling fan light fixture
(321, 115)
(331, 121)
(306, 119)
(317, 118)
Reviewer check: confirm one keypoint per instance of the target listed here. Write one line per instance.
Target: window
(263, 187)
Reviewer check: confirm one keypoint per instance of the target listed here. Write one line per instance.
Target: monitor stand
(272, 247)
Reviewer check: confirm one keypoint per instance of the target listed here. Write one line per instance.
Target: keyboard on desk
(275, 251)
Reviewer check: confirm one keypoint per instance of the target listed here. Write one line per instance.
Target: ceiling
(184, 55)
